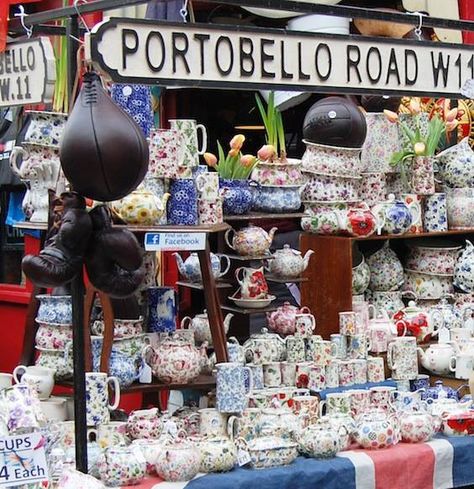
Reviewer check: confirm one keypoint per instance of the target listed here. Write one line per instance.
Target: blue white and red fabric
(443, 463)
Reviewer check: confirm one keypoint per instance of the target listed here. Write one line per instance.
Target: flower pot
(237, 196)
(422, 175)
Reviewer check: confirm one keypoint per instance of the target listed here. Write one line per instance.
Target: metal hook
(184, 11)
(22, 14)
(75, 5)
(418, 28)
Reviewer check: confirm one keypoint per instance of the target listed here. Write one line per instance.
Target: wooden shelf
(271, 278)
(248, 258)
(247, 310)
(215, 228)
(199, 286)
(260, 216)
(383, 237)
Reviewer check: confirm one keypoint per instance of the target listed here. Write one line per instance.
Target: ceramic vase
(237, 196)
(163, 309)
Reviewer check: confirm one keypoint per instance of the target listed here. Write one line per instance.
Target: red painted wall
(466, 10)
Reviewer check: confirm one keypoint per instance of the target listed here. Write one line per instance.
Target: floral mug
(97, 396)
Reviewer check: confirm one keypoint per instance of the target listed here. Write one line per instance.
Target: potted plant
(234, 169)
(416, 157)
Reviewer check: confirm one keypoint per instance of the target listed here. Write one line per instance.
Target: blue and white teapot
(396, 217)
(190, 269)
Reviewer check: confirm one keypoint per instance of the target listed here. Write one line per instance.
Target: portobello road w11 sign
(27, 72)
(205, 55)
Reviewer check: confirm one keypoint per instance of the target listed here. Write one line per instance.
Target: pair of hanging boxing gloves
(104, 155)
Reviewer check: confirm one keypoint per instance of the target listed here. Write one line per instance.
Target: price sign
(175, 241)
(22, 460)
(27, 72)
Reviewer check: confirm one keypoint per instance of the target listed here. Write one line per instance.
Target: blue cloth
(389, 383)
(463, 463)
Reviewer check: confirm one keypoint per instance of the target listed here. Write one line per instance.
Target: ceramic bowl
(437, 257)
(322, 218)
(276, 198)
(55, 309)
(53, 336)
(122, 327)
(460, 207)
(253, 303)
(331, 160)
(278, 174)
(319, 187)
(428, 286)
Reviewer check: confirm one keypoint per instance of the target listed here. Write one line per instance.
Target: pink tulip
(266, 152)
(391, 116)
(248, 160)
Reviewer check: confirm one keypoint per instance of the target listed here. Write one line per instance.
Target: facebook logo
(152, 239)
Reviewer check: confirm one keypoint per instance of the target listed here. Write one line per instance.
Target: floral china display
(330, 188)
(178, 461)
(58, 360)
(45, 127)
(437, 257)
(190, 268)
(175, 361)
(460, 207)
(270, 451)
(464, 269)
(141, 207)
(427, 285)
(53, 336)
(237, 196)
(414, 321)
(375, 430)
(386, 270)
(437, 357)
(288, 263)
(435, 212)
(200, 326)
(250, 241)
(417, 427)
(264, 345)
(144, 423)
(278, 174)
(331, 160)
(54, 309)
(252, 283)
(319, 441)
(456, 165)
(122, 466)
(217, 455)
(373, 188)
(282, 320)
(458, 424)
(360, 277)
(396, 216)
(276, 198)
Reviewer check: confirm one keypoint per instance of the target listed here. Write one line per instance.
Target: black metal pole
(77, 289)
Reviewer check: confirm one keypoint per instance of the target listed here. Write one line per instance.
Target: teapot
(217, 454)
(464, 269)
(122, 466)
(145, 423)
(190, 269)
(396, 216)
(288, 263)
(386, 270)
(417, 426)
(344, 424)
(200, 325)
(440, 391)
(456, 165)
(252, 283)
(178, 461)
(280, 422)
(359, 221)
(282, 320)
(264, 347)
(250, 241)
(319, 440)
(141, 207)
(416, 322)
(376, 429)
(175, 361)
(437, 357)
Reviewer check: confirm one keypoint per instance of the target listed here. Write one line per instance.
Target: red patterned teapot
(358, 221)
(282, 320)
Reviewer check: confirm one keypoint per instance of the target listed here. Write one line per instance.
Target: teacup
(111, 434)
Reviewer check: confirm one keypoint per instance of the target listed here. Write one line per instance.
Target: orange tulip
(248, 160)
(234, 152)
(451, 126)
(391, 116)
(210, 159)
(237, 141)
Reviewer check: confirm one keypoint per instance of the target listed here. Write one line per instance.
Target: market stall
(335, 389)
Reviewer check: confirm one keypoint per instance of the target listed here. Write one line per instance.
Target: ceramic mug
(271, 374)
(302, 374)
(111, 434)
(346, 373)
(332, 374)
(359, 370)
(210, 211)
(188, 130)
(402, 358)
(340, 341)
(97, 406)
(317, 378)
(244, 426)
(460, 335)
(350, 323)
(166, 153)
(182, 205)
(358, 346)
(288, 373)
(375, 369)
(336, 402)
(321, 352)
(231, 394)
(306, 404)
(462, 365)
(435, 216)
(295, 349)
(207, 185)
(305, 325)
(213, 423)
(422, 381)
(39, 378)
(416, 222)
(257, 375)
(382, 397)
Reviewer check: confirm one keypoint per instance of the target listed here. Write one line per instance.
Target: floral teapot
(320, 440)
(175, 360)
(280, 422)
(264, 347)
(456, 165)
(416, 322)
(437, 357)
(190, 269)
(250, 241)
(288, 263)
(282, 320)
(464, 269)
(418, 426)
(200, 325)
(122, 466)
(141, 207)
(359, 221)
(376, 429)
(396, 216)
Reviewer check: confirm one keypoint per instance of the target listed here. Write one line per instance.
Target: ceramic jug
(162, 309)
(250, 241)
(188, 130)
(456, 165)
(252, 283)
(386, 270)
(396, 216)
(98, 407)
(200, 326)
(39, 378)
(288, 263)
(190, 268)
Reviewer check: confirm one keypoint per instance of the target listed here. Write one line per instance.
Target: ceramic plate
(253, 303)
